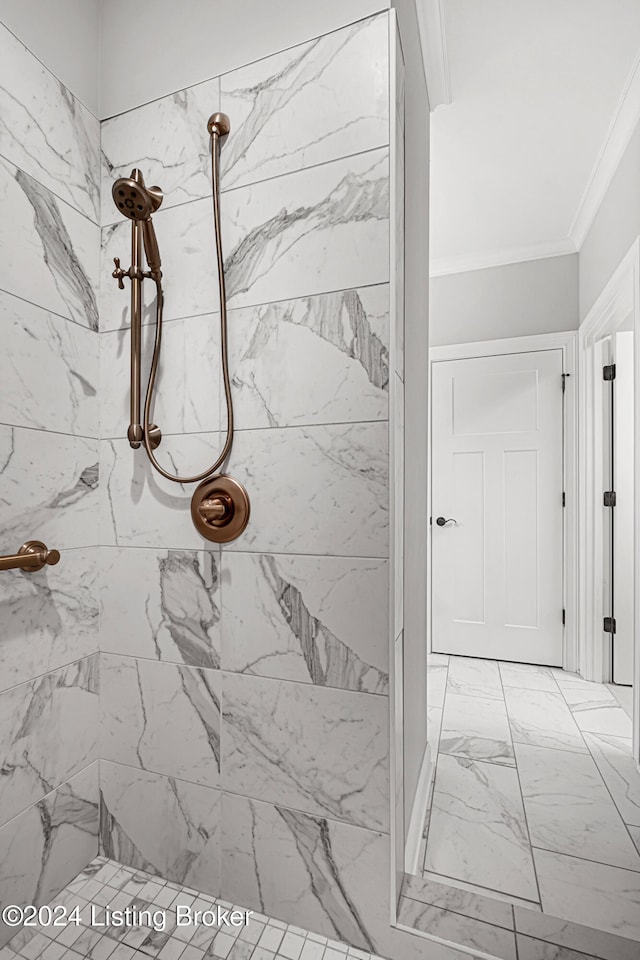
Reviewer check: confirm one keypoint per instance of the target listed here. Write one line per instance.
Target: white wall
(614, 229)
(514, 300)
(64, 35)
(152, 49)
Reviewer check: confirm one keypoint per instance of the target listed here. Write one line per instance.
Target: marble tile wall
(244, 694)
(49, 268)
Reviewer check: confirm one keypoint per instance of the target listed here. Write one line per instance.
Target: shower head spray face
(133, 199)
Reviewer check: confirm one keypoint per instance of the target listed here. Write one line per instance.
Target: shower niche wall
(243, 738)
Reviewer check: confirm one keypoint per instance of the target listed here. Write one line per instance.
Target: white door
(497, 472)
(623, 512)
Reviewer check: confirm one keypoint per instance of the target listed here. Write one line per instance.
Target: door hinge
(564, 617)
(564, 380)
(609, 498)
(609, 372)
(564, 499)
(609, 625)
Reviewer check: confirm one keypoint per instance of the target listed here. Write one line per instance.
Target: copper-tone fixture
(220, 505)
(32, 556)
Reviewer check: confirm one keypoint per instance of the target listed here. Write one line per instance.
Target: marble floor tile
(619, 771)
(174, 612)
(276, 103)
(320, 359)
(57, 501)
(569, 809)
(319, 620)
(528, 675)
(594, 894)
(48, 732)
(530, 949)
(573, 936)
(481, 891)
(136, 699)
(436, 681)
(317, 749)
(624, 696)
(45, 130)
(49, 619)
(597, 711)
(474, 678)
(477, 830)
(48, 370)
(542, 718)
(476, 728)
(473, 905)
(434, 726)
(168, 827)
(458, 929)
(50, 253)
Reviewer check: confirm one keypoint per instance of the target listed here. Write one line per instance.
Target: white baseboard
(418, 814)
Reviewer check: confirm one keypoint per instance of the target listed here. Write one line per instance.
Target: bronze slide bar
(32, 556)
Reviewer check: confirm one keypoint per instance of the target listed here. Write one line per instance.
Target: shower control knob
(119, 273)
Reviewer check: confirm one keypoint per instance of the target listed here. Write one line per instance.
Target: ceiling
(522, 154)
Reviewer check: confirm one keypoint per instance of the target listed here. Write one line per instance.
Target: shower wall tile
(49, 618)
(167, 140)
(314, 102)
(45, 130)
(321, 750)
(48, 370)
(314, 490)
(321, 229)
(319, 620)
(172, 613)
(139, 508)
(49, 490)
(188, 385)
(48, 844)
(48, 732)
(161, 717)
(328, 876)
(50, 252)
(308, 232)
(165, 826)
(321, 359)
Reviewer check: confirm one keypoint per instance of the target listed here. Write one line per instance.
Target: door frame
(619, 300)
(567, 341)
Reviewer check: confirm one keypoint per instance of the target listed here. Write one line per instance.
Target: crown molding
(444, 266)
(625, 120)
(433, 39)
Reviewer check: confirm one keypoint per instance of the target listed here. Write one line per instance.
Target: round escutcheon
(220, 508)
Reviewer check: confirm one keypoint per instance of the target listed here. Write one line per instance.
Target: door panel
(497, 470)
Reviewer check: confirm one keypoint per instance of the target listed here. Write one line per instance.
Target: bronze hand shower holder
(220, 505)
(31, 557)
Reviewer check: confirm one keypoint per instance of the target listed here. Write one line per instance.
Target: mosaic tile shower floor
(107, 885)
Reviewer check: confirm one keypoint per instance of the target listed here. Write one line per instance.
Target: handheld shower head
(137, 202)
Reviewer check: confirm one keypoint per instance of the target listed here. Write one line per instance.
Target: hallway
(536, 798)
